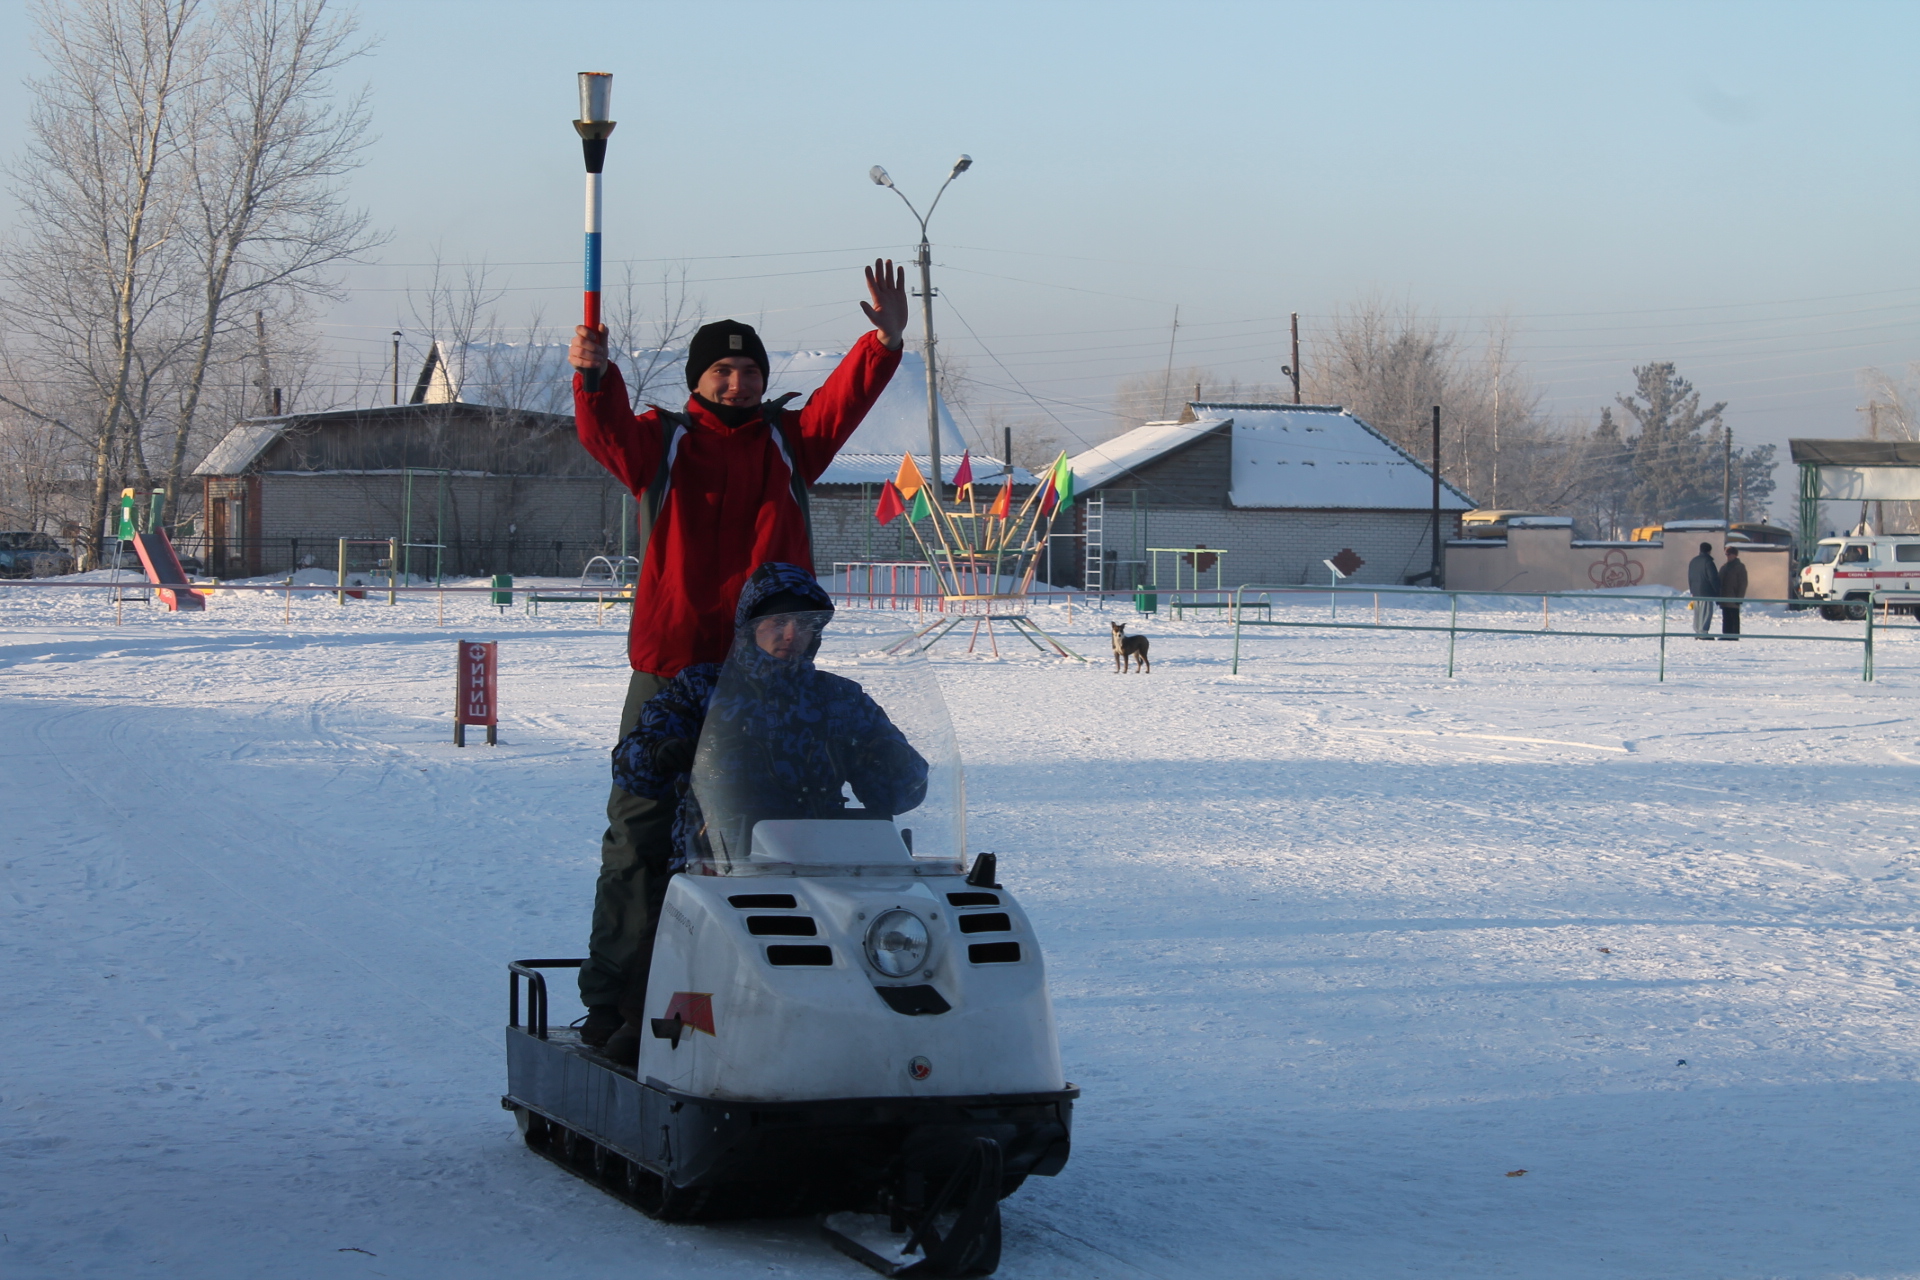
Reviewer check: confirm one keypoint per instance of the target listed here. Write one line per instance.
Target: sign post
(476, 697)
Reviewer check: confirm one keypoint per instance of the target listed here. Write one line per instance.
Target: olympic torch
(596, 96)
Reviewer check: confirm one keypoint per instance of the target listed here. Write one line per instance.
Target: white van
(1849, 568)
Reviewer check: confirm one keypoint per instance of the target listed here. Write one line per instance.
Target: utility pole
(1726, 481)
(1166, 386)
(1873, 432)
(933, 376)
(1437, 578)
(266, 369)
(396, 366)
(925, 262)
(1293, 370)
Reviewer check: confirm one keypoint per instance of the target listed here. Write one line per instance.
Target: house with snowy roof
(1279, 488)
(482, 465)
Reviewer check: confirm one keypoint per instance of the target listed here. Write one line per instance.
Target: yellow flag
(909, 481)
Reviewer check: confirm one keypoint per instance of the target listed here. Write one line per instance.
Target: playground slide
(164, 572)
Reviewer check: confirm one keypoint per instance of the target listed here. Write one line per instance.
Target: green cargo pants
(633, 881)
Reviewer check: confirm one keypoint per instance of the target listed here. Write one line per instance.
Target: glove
(674, 755)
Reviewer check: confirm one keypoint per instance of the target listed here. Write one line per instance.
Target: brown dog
(1129, 649)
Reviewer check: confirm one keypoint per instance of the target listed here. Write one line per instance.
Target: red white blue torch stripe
(596, 96)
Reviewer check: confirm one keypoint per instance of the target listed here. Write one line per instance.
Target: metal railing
(1454, 628)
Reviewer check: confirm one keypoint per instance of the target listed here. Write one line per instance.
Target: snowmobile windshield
(826, 750)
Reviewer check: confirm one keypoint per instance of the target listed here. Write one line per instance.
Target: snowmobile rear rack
(536, 992)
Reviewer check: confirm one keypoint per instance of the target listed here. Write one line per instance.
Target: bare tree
(266, 220)
(1892, 412)
(653, 341)
(38, 465)
(94, 275)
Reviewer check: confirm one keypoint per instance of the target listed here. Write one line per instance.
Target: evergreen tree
(1676, 455)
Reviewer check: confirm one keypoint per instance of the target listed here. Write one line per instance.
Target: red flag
(890, 503)
(963, 477)
(1003, 505)
(1050, 498)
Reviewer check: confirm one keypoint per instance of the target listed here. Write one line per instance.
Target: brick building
(1279, 487)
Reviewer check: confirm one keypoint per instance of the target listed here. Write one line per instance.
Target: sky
(1725, 186)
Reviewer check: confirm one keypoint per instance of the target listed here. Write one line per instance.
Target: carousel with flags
(984, 556)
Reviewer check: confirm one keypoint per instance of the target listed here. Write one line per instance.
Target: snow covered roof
(1283, 455)
(240, 446)
(1322, 456)
(1114, 458)
(872, 468)
(537, 376)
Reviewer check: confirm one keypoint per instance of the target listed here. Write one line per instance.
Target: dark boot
(600, 1023)
(623, 1046)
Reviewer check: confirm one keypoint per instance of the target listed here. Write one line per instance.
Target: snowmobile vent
(763, 901)
(914, 1000)
(985, 922)
(782, 926)
(802, 955)
(971, 899)
(980, 952)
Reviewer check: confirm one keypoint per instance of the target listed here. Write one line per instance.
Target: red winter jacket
(729, 507)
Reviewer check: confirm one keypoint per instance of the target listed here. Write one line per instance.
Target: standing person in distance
(722, 488)
(1733, 583)
(1703, 580)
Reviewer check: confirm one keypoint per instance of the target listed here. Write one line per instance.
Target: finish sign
(476, 698)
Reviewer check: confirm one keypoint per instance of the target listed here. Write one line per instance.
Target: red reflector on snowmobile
(695, 1008)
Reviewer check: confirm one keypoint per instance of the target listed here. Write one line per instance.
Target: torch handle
(590, 378)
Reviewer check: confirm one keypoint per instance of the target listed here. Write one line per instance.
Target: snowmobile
(845, 1020)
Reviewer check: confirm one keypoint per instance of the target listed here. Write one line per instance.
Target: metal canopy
(1855, 453)
(1851, 471)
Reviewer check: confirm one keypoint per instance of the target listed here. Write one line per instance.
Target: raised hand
(888, 312)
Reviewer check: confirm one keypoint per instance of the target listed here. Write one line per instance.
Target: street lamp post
(880, 179)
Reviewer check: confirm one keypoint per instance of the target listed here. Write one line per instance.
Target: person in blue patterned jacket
(785, 739)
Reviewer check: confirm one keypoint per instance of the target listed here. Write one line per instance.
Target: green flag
(921, 508)
(1063, 480)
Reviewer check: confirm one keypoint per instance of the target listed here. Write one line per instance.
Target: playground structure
(981, 563)
(387, 567)
(170, 581)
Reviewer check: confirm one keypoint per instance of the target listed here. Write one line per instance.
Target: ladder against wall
(1094, 506)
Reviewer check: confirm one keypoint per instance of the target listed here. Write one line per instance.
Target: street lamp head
(879, 176)
(596, 96)
(960, 166)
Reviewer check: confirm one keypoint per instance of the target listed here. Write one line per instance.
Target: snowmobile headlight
(898, 943)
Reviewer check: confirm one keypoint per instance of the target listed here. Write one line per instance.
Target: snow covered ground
(1338, 946)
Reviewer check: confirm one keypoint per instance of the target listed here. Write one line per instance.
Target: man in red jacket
(722, 486)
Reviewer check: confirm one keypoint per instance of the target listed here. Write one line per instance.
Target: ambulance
(1850, 568)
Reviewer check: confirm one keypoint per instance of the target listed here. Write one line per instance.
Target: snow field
(1336, 944)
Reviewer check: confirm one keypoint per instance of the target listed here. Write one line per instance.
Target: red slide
(164, 572)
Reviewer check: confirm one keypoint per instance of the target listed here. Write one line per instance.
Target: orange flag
(1003, 505)
(909, 481)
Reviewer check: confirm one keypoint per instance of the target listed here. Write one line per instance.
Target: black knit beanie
(719, 340)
